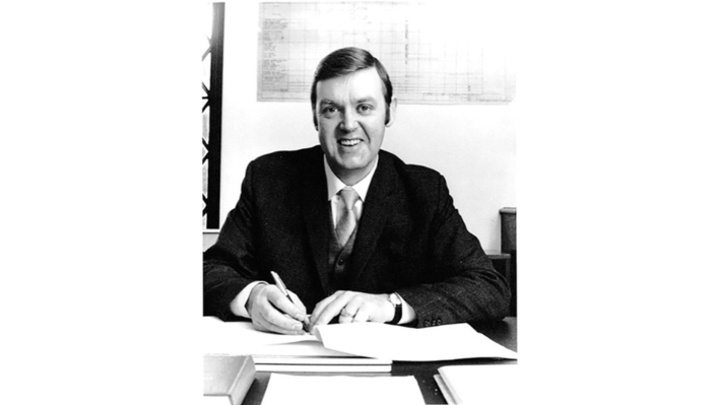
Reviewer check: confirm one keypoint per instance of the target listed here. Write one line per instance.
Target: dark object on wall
(212, 112)
(508, 229)
(508, 245)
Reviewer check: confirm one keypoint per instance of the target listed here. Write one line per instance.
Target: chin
(354, 164)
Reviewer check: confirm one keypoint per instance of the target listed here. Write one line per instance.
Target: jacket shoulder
(287, 157)
(412, 173)
(288, 165)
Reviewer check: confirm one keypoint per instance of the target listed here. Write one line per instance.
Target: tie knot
(350, 196)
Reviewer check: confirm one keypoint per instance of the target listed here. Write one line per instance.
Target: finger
(261, 324)
(283, 304)
(299, 304)
(319, 308)
(363, 314)
(331, 310)
(353, 305)
(349, 311)
(269, 317)
(346, 316)
(275, 321)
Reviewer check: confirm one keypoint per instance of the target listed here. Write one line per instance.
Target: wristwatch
(395, 300)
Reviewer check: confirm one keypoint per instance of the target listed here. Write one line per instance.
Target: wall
(473, 146)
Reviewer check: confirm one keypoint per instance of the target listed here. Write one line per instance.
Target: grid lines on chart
(424, 67)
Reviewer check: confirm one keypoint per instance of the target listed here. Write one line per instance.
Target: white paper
(389, 342)
(241, 337)
(480, 384)
(446, 342)
(285, 389)
(305, 348)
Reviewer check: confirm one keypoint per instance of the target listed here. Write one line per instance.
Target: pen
(283, 289)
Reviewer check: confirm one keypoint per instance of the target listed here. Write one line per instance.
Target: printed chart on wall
(434, 55)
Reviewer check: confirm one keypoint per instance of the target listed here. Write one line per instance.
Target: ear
(391, 115)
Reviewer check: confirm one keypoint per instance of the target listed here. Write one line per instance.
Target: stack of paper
(285, 353)
(353, 347)
(313, 357)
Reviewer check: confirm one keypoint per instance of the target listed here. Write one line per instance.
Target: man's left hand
(352, 306)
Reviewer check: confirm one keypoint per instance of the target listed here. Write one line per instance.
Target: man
(356, 234)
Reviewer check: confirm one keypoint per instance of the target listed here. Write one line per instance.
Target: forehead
(361, 84)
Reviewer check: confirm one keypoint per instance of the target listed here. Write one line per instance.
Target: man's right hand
(271, 311)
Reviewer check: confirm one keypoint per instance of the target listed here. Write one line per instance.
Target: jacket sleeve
(466, 287)
(230, 264)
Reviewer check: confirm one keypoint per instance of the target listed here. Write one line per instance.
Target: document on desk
(313, 357)
(284, 353)
(346, 390)
(241, 337)
(479, 384)
(398, 343)
(377, 340)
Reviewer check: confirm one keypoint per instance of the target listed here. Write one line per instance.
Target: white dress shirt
(334, 185)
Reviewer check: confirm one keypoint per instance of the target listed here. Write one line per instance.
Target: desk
(503, 332)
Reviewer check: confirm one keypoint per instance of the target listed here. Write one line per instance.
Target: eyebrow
(366, 100)
(325, 101)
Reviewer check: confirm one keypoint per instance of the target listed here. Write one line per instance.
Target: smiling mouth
(349, 142)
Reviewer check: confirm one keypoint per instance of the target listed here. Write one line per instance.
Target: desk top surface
(503, 332)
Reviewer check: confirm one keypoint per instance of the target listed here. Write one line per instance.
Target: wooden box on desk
(508, 229)
(508, 246)
(227, 378)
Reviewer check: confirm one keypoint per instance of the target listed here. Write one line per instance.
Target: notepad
(285, 389)
(313, 357)
(479, 384)
(285, 353)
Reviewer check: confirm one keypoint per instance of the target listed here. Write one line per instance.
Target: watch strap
(397, 309)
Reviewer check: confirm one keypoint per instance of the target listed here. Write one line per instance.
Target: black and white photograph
(365, 161)
(349, 232)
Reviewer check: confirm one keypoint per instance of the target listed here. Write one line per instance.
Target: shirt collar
(334, 184)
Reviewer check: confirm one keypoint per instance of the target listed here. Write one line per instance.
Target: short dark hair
(345, 61)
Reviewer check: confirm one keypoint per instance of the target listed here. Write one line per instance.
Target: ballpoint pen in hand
(283, 289)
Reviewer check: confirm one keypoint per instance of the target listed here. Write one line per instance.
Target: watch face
(394, 299)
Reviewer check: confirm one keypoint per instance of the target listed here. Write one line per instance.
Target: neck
(352, 177)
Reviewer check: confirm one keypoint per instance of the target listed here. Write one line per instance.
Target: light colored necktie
(348, 219)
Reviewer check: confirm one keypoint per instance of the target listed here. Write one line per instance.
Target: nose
(349, 122)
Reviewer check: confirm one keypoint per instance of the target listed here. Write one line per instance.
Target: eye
(365, 108)
(329, 111)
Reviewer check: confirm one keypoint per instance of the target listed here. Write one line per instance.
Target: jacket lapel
(379, 205)
(315, 210)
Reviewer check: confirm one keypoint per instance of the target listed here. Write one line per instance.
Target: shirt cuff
(240, 302)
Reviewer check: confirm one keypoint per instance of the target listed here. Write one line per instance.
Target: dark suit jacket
(410, 240)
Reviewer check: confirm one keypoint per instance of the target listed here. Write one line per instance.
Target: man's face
(351, 114)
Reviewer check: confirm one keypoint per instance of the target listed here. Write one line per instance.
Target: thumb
(299, 304)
